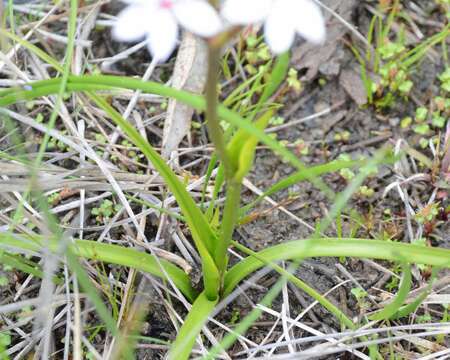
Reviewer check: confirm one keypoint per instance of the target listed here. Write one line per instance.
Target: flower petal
(132, 23)
(242, 12)
(198, 17)
(279, 29)
(162, 34)
(310, 22)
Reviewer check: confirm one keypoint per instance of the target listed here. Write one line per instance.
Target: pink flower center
(165, 4)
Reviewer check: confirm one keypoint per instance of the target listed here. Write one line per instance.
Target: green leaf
(438, 121)
(277, 76)
(336, 247)
(219, 181)
(243, 145)
(33, 48)
(390, 309)
(114, 254)
(409, 308)
(197, 317)
(301, 285)
(421, 113)
(342, 198)
(310, 172)
(203, 235)
(102, 82)
(422, 129)
(20, 263)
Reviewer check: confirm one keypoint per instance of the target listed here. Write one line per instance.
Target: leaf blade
(197, 317)
(336, 247)
(108, 253)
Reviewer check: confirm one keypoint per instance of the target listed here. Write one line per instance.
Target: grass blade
(409, 308)
(22, 264)
(197, 317)
(277, 76)
(99, 82)
(114, 254)
(343, 319)
(390, 309)
(335, 247)
(203, 235)
(313, 171)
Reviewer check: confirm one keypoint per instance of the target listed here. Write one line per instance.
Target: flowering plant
(282, 20)
(158, 21)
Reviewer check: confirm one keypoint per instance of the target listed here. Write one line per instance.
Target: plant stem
(229, 219)
(233, 187)
(212, 120)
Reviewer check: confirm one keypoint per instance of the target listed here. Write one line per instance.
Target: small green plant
(104, 212)
(53, 198)
(301, 147)
(342, 136)
(256, 54)
(366, 191)
(406, 122)
(427, 213)
(276, 120)
(445, 80)
(55, 144)
(360, 296)
(386, 71)
(422, 129)
(421, 114)
(423, 319)
(293, 81)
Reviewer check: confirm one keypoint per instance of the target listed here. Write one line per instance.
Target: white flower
(158, 20)
(282, 20)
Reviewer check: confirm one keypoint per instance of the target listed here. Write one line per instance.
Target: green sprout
(293, 81)
(106, 209)
(276, 120)
(360, 296)
(302, 147)
(343, 136)
(445, 80)
(422, 129)
(421, 114)
(390, 49)
(437, 120)
(347, 174)
(406, 122)
(366, 191)
(427, 213)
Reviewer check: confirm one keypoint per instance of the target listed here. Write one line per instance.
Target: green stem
(233, 187)
(229, 219)
(212, 120)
